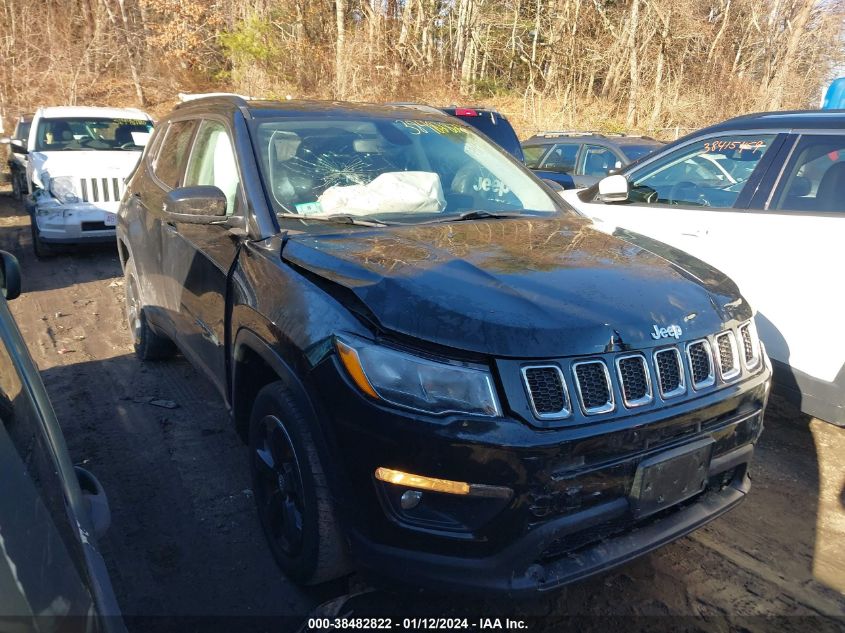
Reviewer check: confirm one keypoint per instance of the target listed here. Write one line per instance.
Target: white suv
(761, 197)
(78, 160)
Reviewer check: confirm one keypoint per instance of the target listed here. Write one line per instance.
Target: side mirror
(95, 501)
(15, 144)
(613, 189)
(10, 276)
(204, 204)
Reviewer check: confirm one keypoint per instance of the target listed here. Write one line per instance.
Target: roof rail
(552, 133)
(186, 98)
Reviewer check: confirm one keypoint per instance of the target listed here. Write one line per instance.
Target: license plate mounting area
(670, 477)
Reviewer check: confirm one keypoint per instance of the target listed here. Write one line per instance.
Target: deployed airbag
(391, 192)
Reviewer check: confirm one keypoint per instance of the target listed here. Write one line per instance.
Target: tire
(42, 250)
(295, 508)
(148, 344)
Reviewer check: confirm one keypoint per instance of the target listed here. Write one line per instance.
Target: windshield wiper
(475, 215)
(338, 218)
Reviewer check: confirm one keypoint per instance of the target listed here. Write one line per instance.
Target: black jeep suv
(443, 375)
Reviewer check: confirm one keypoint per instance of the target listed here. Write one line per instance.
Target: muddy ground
(185, 540)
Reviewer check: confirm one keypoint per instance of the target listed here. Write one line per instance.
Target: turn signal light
(350, 360)
(422, 483)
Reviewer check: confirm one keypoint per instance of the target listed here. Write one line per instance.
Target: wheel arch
(256, 364)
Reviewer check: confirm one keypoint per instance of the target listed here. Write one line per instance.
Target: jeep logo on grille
(665, 332)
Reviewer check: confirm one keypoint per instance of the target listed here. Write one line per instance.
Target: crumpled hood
(519, 288)
(83, 164)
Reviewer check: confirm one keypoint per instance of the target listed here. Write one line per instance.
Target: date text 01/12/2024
(433, 624)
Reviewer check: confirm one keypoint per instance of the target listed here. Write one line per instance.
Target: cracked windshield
(407, 170)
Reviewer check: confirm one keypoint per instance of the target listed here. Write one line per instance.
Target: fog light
(410, 499)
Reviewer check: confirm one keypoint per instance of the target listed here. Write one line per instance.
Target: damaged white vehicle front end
(78, 161)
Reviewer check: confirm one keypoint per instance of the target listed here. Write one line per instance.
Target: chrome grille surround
(625, 381)
(566, 409)
(692, 349)
(726, 351)
(606, 407)
(681, 388)
(750, 345)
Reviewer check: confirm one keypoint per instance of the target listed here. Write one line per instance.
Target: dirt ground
(185, 540)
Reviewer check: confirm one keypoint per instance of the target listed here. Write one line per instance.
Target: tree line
(606, 64)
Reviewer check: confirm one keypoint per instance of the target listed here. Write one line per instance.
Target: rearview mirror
(613, 189)
(204, 204)
(10, 276)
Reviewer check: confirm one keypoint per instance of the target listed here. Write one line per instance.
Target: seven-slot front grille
(101, 189)
(635, 381)
(728, 357)
(701, 364)
(592, 380)
(547, 391)
(552, 388)
(670, 372)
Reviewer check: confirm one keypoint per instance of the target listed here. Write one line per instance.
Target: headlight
(62, 189)
(418, 383)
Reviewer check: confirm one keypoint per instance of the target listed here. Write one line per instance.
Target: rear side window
(173, 152)
(533, 154)
(711, 172)
(562, 158)
(814, 178)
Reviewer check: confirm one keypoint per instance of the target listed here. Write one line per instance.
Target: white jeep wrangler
(78, 160)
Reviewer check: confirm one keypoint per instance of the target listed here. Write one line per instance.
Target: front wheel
(42, 250)
(148, 344)
(294, 505)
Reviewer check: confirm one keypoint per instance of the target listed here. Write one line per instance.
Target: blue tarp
(834, 99)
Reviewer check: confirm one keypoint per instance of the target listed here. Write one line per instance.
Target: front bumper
(522, 567)
(571, 513)
(74, 223)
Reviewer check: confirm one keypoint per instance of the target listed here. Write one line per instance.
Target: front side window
(814, 178)
(562, 158)
(597, 161)
(414, 170)
(213, 162)
(633, 152)
(711, 172)
(22, 131)
(77, 134)
(173, 152)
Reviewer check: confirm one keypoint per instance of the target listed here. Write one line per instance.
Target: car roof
(265, 108)
(786, 119)
(61, 112)
(548, 138)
